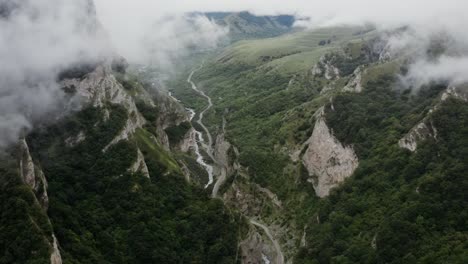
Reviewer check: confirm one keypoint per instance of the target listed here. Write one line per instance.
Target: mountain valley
(282, 145)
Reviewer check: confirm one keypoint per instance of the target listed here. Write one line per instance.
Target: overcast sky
(388, 11)
(128, 20)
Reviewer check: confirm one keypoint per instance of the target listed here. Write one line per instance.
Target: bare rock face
(316, 71)
(100, 87)
(425, 129)
(27, 167)
(326, 69)
(355, 84)
(225, 167)
(140, 165)
(163, 139)
(327, 160)
(418, 133)
(455, 92)
(331, 72)
(33, 175)
(55, 257)
(221, 150)
(188, 141)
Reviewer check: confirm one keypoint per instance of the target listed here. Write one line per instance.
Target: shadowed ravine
(208, 146)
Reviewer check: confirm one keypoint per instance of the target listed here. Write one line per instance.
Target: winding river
(208, 146)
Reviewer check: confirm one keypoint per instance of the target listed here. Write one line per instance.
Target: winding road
(279, 253)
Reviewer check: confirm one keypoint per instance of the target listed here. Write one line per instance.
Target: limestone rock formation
(355, 84)
(326, 69)
(425, 129)
(100, 87)
(140, 165)
(32, 175)
(55, 257)
(326, 159)
(418, 133)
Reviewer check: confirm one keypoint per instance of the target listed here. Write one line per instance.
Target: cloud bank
(444, 69)
(38, 39)
(129, 20)
(167, 39)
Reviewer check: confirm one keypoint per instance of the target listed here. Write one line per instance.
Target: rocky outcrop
(226, 163)
(418, 133)
(327, 160)
(326, 69)
(331, 72)
(55, 257)
(455, 92)
(75, 140)
(129, 128)
(355, 84)
(223, 166)
(27, 167)
(101, 87)
(425, 129)
(221, 152)
(316, 70)
(163, 139)
(32, 175)
(140, 165)
(187, 143)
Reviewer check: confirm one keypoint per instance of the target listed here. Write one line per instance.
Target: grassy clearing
(292, 50)
(152, 150)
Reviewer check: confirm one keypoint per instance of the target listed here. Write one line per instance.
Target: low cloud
(433, 55)
(453, 70)
(170, 39)
(129, 20)
(39, 39)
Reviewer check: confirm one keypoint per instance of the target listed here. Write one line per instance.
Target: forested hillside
(399, 205)
(271, 143)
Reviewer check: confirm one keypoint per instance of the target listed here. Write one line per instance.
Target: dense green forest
(399, 207)
(25, 231)
(101, 213)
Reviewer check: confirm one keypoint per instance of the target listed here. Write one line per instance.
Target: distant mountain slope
(245, 25)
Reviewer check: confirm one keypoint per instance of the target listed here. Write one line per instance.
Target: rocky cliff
(425, 129)
(327, 160)
(32, 175)
(355, 84)
(100, 87)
